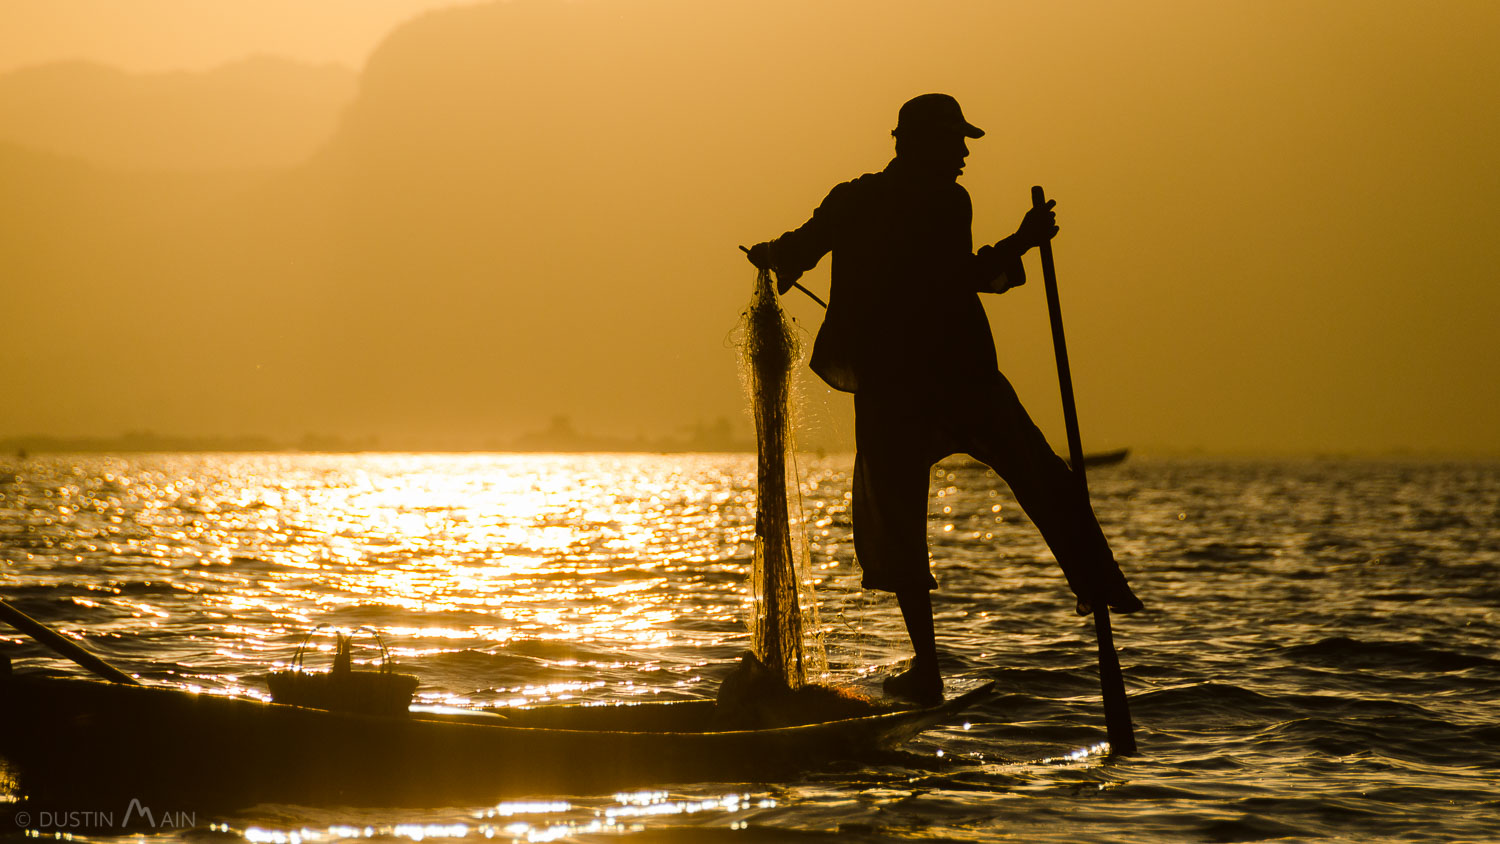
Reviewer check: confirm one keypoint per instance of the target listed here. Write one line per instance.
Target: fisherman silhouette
(906, 333)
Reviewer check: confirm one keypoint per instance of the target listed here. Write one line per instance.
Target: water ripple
(1319, 659)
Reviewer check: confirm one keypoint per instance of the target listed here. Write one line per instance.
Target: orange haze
(1277, 217)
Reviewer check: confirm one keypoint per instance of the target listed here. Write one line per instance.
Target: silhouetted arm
(998, 268)
(995, 268)
(1037, 227)
(799, 250)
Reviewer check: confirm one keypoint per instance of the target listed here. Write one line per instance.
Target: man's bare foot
(924, 687)
(1118, 597)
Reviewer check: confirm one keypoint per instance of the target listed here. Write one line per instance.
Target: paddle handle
(1060, 349)
(63, 645)
(1111, 680)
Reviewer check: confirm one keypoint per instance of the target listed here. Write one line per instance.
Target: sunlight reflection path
(533, 821)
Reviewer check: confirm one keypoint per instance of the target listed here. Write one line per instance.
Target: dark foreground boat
(65, 738)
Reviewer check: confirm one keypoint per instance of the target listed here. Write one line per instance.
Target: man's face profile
(939, 152)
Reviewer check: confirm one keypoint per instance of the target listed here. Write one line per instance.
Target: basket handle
(386, 665)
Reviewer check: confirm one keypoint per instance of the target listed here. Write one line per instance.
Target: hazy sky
(1278, 217)
(155, 35)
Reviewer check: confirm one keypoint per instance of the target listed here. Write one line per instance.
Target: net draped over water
(783, 622)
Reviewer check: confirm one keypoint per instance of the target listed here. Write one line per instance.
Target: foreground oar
(1116, 709)
(63, 645)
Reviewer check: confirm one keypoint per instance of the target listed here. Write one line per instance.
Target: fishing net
(784, 614)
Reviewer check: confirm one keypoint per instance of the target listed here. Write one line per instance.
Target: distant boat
(1098, 458)
(1106, 458)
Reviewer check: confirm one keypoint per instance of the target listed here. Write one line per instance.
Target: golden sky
(1277, 217)
(162, 35)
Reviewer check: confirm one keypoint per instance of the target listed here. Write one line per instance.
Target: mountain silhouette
(499, 231)
(258, 112)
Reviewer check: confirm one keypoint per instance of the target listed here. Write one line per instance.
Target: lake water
(1318, 659)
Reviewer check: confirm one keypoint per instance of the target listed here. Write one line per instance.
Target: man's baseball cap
(934, 112)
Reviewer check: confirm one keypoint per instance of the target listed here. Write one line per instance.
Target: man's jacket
(904, 307)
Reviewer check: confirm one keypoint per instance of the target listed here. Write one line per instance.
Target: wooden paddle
(1116, 709)
(63, 645)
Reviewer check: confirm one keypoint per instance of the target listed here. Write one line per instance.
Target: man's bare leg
(922, 682)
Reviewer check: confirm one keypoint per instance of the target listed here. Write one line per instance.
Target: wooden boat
(64, 738)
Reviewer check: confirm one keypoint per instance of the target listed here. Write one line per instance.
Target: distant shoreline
(154, 444)
(25, 447)
(560, 436)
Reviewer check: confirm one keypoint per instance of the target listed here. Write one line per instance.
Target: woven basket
(343, 689)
